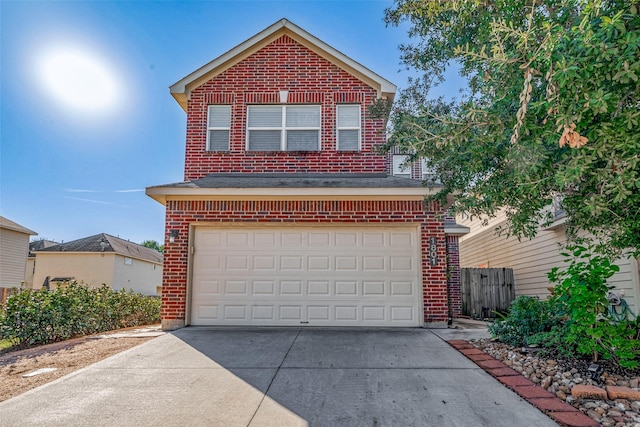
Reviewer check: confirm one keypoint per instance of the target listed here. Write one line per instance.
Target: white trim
(210, 128)
(181, 92)
(358, 128)
(162, 194)
(284, 129)
(400, 166)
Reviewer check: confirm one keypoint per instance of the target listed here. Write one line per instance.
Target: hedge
(39, 316)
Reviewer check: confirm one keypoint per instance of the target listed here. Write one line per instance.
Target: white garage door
(316, 276)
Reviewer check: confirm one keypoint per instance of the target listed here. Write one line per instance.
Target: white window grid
(400, 165)
(283, 126)
(356, 127)
(220, 109)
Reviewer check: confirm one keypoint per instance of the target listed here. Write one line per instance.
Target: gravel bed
(559, 376)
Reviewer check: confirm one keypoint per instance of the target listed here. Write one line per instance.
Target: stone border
(558, 410)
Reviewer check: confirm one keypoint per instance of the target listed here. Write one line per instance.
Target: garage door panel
(263, 263)
(373, 288)
(401, 239)
(264, 287)
(206, 288)
(291, 263)
(401, 288)
(374, 313)
(336, 276)
(291, 312)
(320, 239)
(373, 239)
(238, 239)
(319, 263)
(401, 263)
(318, 287)
(346, 263)
(344, 239)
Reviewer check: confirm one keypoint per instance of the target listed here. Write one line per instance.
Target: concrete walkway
(278, 377)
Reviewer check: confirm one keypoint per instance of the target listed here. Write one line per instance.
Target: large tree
(551, 111)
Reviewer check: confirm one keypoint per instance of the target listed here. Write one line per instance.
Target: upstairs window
(348, 127)
(218, 127)
(400, 166)
(283, 128)
(429, 173)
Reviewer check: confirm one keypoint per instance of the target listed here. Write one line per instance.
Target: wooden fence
(486, 290)
(5, 293)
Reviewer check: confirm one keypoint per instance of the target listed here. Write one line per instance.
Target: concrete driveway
(278, 377)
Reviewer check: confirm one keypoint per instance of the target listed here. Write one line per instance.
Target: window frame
(428, 173)
(339, 128)
(398, 172)
(214, 128)
(283, 128)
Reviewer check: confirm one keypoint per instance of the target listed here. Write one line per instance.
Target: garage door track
(278, 377)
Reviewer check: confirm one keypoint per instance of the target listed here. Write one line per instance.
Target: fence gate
(486, 290)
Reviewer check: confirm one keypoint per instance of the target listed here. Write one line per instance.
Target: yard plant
(31, 317)
(575, 320)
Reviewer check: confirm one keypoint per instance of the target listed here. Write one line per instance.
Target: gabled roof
(325, 186)
(14, 226)
(38, 245)
(107, 243)
(181, 89)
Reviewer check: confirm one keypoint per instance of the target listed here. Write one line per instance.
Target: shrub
(581, 290)
(32, 317)
(527, 316)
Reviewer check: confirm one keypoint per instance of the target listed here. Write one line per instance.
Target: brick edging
(558, 410)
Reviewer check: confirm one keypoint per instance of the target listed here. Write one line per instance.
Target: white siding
(14, 251)
(531, 260)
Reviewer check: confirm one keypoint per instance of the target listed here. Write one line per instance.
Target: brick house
(288, 215)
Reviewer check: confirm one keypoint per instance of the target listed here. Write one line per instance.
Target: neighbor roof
(107, 243)
(181, 89)
(14, 226)
(37, 245)
(270, 185)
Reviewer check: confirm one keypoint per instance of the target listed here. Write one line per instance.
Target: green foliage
(551, 110)
(527, 316)
(32, 317)
(152, 244)
(581, 290)
(554, 342)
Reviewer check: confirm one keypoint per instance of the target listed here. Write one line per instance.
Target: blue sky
(76, 155)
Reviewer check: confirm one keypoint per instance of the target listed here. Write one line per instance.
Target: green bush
(527, 316)
(32, 317)
(581, 290)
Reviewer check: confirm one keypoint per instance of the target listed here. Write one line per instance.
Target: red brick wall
(453, 273)
(180, 214)
(282, 65)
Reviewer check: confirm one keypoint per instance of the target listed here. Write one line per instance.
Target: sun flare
(79, 80)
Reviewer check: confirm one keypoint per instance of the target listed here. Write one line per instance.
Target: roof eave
(163, 194)
(182, 88)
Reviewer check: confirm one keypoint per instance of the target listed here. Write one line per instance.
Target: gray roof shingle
(106, 243)
(297, 180)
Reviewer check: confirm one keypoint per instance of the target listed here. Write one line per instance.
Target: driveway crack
(266, 392)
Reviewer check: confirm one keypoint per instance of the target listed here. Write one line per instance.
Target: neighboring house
(14, 249)
(288, 214)
(531, 260)
(36, 245)
(97, 260)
